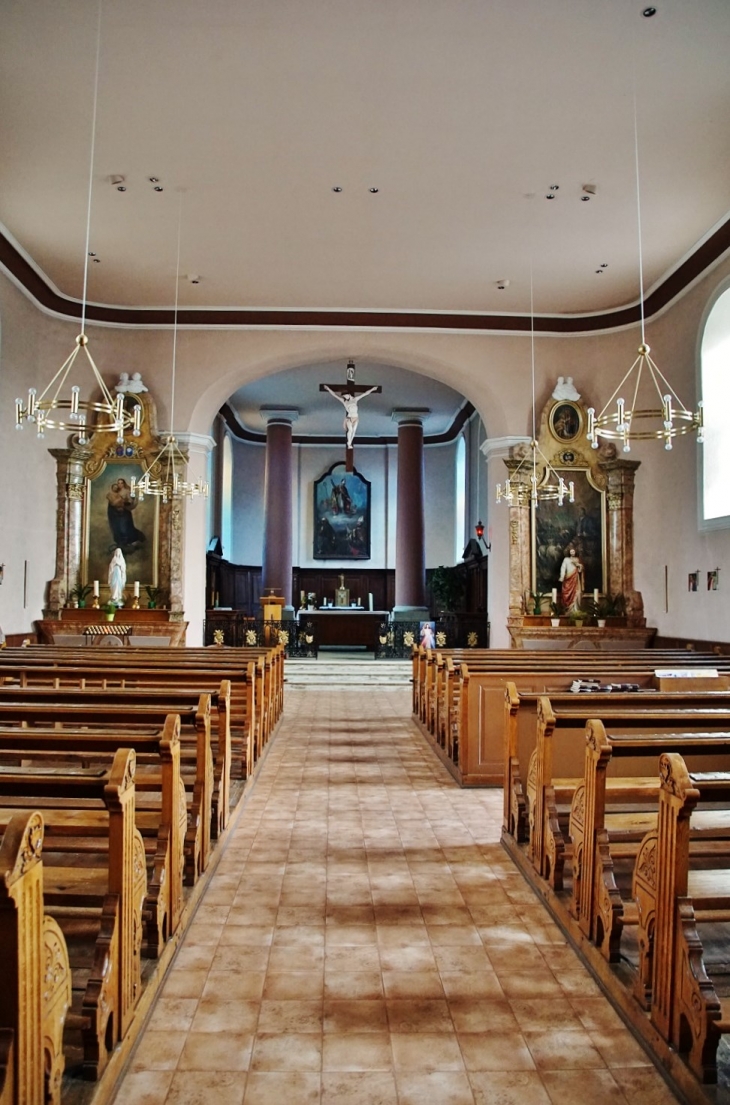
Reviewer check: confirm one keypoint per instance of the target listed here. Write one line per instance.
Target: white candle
(136, 588)
(595, 594)
(555, 594)
(96, 588)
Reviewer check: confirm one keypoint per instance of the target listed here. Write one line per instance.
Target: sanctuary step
(347, 668)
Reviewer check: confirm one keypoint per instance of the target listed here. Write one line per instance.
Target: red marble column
(277, 559)
(410, 554)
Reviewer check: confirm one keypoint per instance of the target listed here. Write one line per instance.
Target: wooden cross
(348, 395)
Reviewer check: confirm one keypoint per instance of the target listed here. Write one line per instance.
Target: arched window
(715, 362)
(460, 498)
(227, 499)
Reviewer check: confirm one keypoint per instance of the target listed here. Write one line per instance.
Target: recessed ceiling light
(153, 179)
(121, 188)
(97, 260)
(373, 190)
(554, 187)
(604, 265)
(550, 196)
(159, 188)
(648, 12)
(91, 253)
(584, 199)
(599, 272)
(337, 188)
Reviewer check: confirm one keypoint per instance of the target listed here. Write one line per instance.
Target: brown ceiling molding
(704, 256)
(239, 431)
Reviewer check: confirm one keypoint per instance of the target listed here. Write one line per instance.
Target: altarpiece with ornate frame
(598, 525)
(96, 513)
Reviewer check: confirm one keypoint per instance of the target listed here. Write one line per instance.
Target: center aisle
(366, 941)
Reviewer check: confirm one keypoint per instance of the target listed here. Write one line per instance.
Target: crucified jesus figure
(350, 402)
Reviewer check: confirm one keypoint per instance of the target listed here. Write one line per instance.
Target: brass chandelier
(643, 419)
(163, 477)
(53, 409)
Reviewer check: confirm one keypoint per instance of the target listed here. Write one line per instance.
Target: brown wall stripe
(704, 256)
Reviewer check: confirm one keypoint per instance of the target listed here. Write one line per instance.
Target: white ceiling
(457, 110)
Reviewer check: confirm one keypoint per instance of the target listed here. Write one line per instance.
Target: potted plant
(154, 596)
(613, 607)
(110, 610)
(77, 595)
(577, 617)
(448, 587)
(557, 610)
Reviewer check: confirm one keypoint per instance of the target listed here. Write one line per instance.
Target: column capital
(196, 443)
(405, 416)
(500, 446)
(283, 415)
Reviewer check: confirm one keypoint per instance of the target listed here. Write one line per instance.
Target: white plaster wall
(440, 506)
(247, 515)
(492, 371)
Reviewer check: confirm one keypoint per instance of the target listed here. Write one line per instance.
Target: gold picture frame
(581, 525)
(565, 421)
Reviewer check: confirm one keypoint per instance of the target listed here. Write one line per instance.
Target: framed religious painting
(341, 515)
(115, 520)
(580, 526)
(566, 421)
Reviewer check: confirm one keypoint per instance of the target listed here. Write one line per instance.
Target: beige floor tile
(510, 1088)
(563, 1049)
(290, 1016)
(184, 984)
(144, 1087)
(354, 1017)
(224, 1015)
(241, 958)
(350, 935)
(248, 985)
(576, 1087)
(191, 1087)
(523, 985)
(216, 1051)
(544, 1013)
(495, 1051)
(249, 935)
(426, 1051)
(283, 1088)
(348, 958)
(470, 1015)
(158, 1050)
(620, 1049)
(419, 1016)
(353, 985)
(173, 1014)
(438, 1087)
(459, 985)
(287, 1051)
(358, 1088)
(298, 935)
(296, 957)
(294, 985)
(643, 1086)
(413, 984)
(357, 1051)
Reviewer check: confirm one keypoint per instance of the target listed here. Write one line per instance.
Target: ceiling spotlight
(550, 196)
(584, 199)
(337, 188)
(599, 272)
(153, 179)
(502, 284)
(373, 190)
(193, 278)
(604, 265)
(91, 253)
(121, 188)
(648, 12)
(97, 260)
(554, 187)
(159, 188)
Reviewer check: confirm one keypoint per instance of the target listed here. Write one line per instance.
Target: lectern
(271, 606)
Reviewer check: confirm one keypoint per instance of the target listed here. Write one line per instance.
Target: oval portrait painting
(565, 421)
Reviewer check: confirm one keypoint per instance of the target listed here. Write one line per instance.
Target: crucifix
(349, 395)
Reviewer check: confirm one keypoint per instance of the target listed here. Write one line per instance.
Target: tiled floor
(366, 941)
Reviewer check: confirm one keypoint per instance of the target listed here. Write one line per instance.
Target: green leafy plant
(537, 599)
(611, 606)
(78, 594)
(155, 596)
(557, 608)
(448, 587)
(110, 609)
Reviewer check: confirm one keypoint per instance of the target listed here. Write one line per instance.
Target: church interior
(364, 656)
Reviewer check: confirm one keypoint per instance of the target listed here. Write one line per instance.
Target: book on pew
(593, 686)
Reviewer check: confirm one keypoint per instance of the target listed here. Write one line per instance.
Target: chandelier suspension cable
(552, 486)
(671, 419)
(49, 409)
(163, 476)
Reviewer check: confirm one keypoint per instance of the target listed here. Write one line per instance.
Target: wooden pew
(607, 823)
(36, 989)
(525, 714)
(249, 715)
(207, 716)
(103, 903)
(160, 807)
(673, 899)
